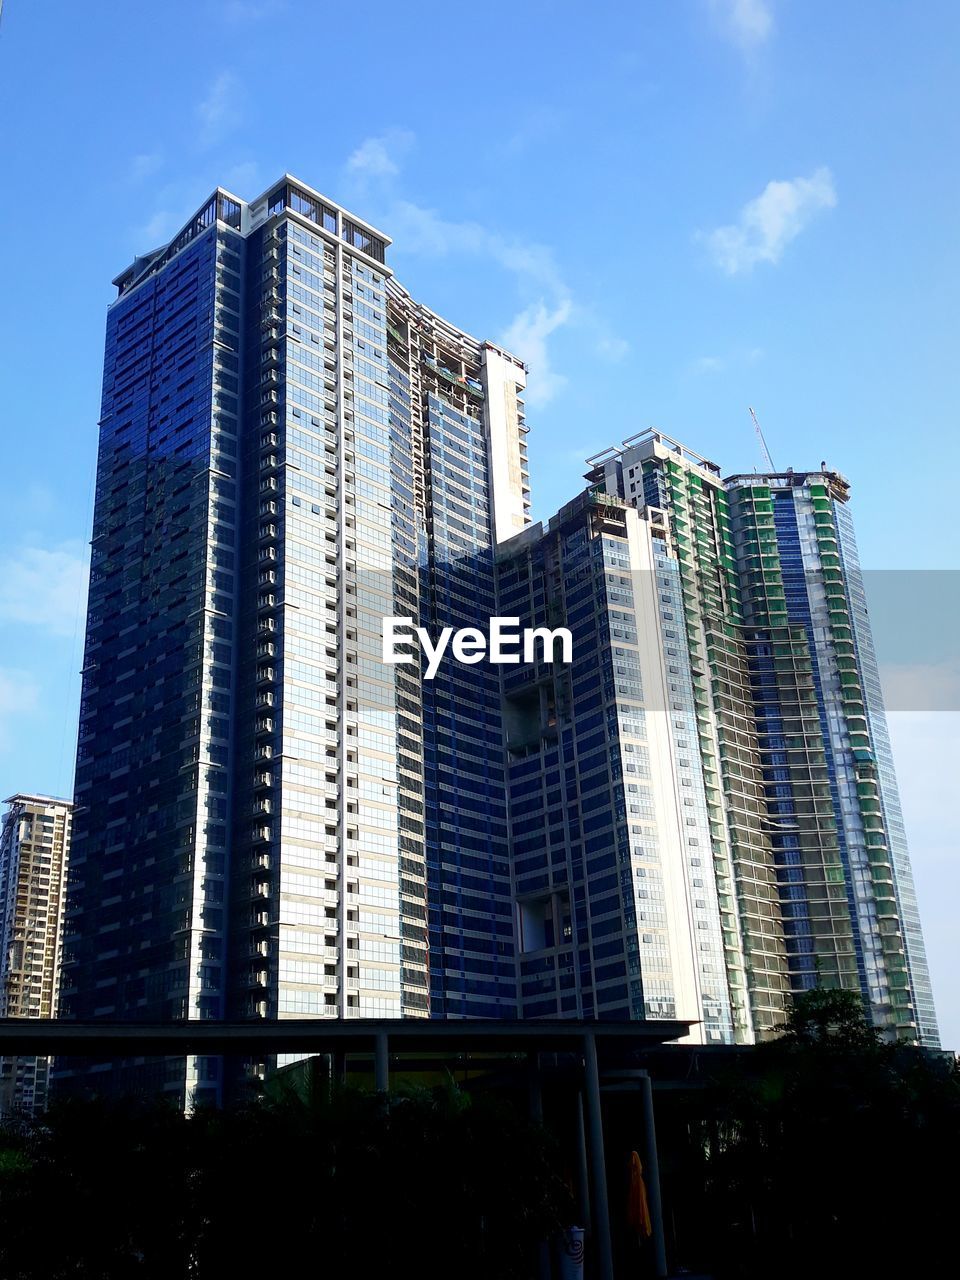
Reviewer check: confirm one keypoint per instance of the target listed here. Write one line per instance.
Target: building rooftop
(792, 479)
(31, 797)
(287, 195)
(655, 441)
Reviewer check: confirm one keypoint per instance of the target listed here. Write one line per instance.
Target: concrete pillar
(583, 1170)
(601, 1203)
(534, 1088)
(535, 1108)
(381, 1062)
(651, 1168)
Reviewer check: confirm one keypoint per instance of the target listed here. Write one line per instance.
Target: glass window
(228, 211)
(357, 238)
(278, 201)
(301, 203)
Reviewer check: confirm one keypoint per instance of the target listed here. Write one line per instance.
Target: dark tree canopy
(349, 1185)
(825, 1152)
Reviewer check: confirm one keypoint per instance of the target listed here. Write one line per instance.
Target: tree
(828, 1151)
(350, 1183)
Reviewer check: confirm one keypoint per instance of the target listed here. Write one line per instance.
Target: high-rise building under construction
(809, 850)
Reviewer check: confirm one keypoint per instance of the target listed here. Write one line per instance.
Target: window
(289, 197)
(357, 238)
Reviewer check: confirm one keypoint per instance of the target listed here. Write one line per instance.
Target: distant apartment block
(34, 850)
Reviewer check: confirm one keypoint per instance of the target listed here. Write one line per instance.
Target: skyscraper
(291, 448)
(656, 472)
(848, 899)
(694, 818)
(618, 906)
(34, 850)
(794, 747)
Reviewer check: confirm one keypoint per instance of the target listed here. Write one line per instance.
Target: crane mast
(763, 443)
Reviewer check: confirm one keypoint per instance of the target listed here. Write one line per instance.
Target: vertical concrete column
(535, 1108)
(652, 1170)
(381, 1062)
(534, 1088)
(583, 1169)
(601, 1203)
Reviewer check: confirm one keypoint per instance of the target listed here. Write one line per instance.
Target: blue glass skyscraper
(270, 821)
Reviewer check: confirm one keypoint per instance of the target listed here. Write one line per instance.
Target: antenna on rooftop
(763, 443)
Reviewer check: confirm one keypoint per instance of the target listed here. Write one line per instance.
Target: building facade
(34, 852)
(695, 818)
(270, 821)
(848, 899)
(619, 914)
(794, 747)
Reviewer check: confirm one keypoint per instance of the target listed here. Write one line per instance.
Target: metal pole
(601, 1217)
(314, 1077)
(652, 1170)
(534, 1088)
(535, 1107)
(381, 1062)
(583, 1174)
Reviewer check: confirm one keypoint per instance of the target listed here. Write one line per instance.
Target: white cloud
(219, 110)
(611, 348)
(43, 588)
(241, 179)
(527, 337)
(734, 360)
(156, 231)
(748, 23)
(418, 230)
(709, 364)
(19, 695)
(380, 157)
(767, 224)
(144, 166)
(177, 200)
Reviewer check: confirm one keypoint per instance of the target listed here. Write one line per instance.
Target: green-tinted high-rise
(848, 900)
(809, 850)
(655, 472)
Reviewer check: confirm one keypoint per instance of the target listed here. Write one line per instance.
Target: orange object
(638, 1208)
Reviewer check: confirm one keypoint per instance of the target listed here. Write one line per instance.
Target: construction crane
(763, 443)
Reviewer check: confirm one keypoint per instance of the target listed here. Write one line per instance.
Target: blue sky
(672, 210)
